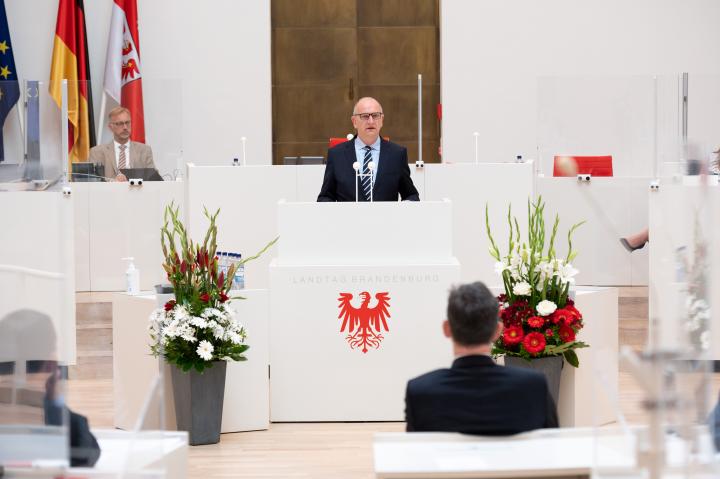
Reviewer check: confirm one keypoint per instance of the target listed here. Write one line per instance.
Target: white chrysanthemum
(522, 289)
(157, 316)
(705, 340)
(234, 337)
(545, 307)
(205, 350)
(181, 313)
(566, 273)
(199, 322)
(218, 332)
(170, 331)
(187, 333)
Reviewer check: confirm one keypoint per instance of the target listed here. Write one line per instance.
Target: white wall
(206, 72)
(497, 54)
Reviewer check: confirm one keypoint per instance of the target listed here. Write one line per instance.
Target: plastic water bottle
(239, 279)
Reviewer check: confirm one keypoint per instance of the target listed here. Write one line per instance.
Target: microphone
(356, 167)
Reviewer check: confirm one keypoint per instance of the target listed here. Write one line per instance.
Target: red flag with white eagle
(123, 70)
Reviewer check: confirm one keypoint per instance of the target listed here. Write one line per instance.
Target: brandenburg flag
(70, 62)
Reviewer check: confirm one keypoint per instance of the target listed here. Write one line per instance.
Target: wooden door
(329, 53)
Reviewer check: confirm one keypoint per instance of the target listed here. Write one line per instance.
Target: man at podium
(367, 168)
(121, 154)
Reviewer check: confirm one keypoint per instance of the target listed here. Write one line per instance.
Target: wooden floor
(312, 450)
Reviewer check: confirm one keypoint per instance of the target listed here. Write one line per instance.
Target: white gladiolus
(545, 307)
(501, 267)
(522, 289)
(205, 350)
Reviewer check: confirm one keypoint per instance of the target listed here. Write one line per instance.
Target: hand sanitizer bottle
(132, 278)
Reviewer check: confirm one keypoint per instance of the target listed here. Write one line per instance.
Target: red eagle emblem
(127, 48)
(129, 69)
(364, 325)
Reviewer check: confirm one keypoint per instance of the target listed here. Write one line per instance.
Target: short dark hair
(473, 314)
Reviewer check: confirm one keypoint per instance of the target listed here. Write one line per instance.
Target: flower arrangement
(197, 327)
(539, 318)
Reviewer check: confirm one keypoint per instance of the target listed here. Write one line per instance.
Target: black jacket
(392, 178)
(476, 396)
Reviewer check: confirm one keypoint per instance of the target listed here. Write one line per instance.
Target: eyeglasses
(121, 123)
(366, 116)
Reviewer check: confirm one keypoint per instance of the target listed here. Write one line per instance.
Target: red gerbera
(205, 297)
(536, 321)
(548, 332)
(573, 310)
(566, 333)
(223, 297)
(512, 335)
(562, 316)
(534, 343)
(170, 305)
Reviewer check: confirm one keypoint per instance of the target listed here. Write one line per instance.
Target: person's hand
(121, 177)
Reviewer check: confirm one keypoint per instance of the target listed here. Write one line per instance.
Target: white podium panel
(612, 208)
(246, 400)
(122, 221)
(36, 256)
(587, 393)
(357, 307)
(375, 233)
(319, 373)
(470, 187)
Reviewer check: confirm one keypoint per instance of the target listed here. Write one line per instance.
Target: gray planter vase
(199, 402)
(551, 367)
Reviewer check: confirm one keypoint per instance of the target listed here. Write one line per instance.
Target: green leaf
(571, 358)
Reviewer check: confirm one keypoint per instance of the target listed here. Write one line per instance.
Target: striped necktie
(366, 180)
(122, 160)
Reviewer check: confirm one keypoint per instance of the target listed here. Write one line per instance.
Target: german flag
(70, 62)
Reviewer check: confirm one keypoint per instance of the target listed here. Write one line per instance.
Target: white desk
(246, 401)
(552, 453)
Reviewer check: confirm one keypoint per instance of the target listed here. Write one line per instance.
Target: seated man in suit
(121, 153)
(476, 396)
(389, 170)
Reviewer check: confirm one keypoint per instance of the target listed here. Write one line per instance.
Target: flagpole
(64, 129)
(101, 123)
(20, 112)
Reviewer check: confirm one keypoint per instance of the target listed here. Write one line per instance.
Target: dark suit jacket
(392, 178)
(84, 448)
(476, 396)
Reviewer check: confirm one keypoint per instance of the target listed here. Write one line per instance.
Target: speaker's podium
(358, 297)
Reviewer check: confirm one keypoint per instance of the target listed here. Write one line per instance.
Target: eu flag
(9, 87)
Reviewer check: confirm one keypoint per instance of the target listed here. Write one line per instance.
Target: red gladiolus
(566, 333)
(221, 280)
(536, 321)
(512, 335)
(183, 267)
(223, 297)
(170, 305)
(534, 343)
(205, 298)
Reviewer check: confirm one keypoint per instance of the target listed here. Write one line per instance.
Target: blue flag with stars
(9, 87)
